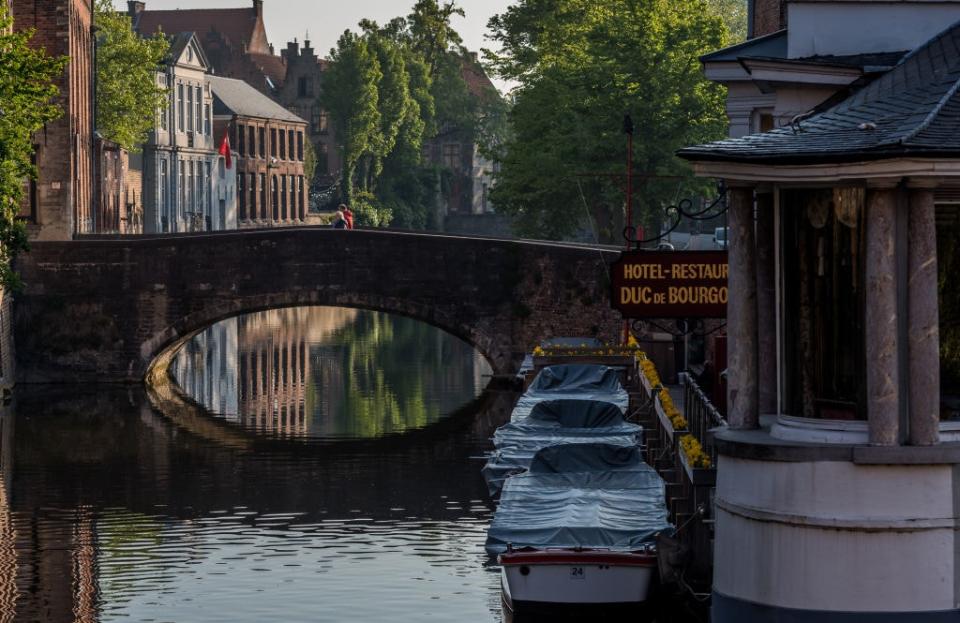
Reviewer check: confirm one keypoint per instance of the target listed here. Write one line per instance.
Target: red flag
(225, 148)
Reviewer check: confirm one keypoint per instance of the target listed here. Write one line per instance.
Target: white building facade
(187, 185)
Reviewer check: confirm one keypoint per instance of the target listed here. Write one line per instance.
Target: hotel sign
(670, 284)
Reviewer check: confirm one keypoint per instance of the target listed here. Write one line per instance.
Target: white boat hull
(554, 577)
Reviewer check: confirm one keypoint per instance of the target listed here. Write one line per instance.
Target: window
(251, 140)
(283, 197)
(241, 196)
(253, 196)
(263, 196)
(163, 116)
(164, 188)
(304, 87)
(262, 139)
(275, 196)
(191, 189)
(451, 156)
(323, 123)
(183, 194)
(293, 196)
(202, 181)
(207, 122)
(209, 188)
(241, 142)
(222, 167)
(323, 167)
(180, 108)
(290, 141)
(300, 146)
(189, 108)
(303, 200)
(273, 142)
(198, 93)
(283, 145)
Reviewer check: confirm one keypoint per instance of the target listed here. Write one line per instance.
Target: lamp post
(628, 130)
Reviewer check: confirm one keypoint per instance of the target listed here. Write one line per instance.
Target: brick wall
(133, 196)
(62, 202)
(769, 16)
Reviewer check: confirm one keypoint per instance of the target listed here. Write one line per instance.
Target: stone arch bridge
(105, 309)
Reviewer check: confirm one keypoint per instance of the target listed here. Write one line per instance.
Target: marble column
(766, 303)
(742, 381)
(924, 337)
(883, 383)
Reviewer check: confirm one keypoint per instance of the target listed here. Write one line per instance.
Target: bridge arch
(103, 309)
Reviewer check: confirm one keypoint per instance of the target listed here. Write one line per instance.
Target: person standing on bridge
(347, 215)
(339, 220)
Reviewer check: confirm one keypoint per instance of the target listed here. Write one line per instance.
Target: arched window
(283, 197)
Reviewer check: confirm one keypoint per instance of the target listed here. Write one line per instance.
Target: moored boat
(579, 528)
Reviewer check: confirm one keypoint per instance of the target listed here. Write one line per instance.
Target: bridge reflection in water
(328, 372)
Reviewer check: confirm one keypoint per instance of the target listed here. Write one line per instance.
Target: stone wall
(105, 309)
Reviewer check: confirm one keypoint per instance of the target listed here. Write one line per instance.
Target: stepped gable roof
(236, 97)
(912, 109)
(238, 26)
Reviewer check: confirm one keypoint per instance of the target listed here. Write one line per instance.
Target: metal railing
(700, 413)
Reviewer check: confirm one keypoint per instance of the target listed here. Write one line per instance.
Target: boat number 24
(576, 573)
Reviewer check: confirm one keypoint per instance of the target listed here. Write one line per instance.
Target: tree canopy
(128, 95)
(581, 66)
(27, 103)
(388, 90)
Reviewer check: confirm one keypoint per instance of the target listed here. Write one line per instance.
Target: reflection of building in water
(8, 537)
(274, 363)
(206, 368)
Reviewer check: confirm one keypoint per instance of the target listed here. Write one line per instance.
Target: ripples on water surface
(113, 511)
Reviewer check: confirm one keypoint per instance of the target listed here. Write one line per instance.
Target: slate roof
(773, 45)
(272, 67)
(236, 97)
(179, 42)
(913, 109)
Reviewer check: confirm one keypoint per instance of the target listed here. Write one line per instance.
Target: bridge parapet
(103, 309)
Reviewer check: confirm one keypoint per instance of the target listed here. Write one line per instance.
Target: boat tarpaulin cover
(593, 496)
(573, 381)
(555, 422)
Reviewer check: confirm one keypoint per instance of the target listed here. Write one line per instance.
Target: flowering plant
(650, 371)
(673, 414)
(584, 350)
(696, 456)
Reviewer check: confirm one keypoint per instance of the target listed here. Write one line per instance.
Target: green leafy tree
(734, 16)
(351, 96)
(581, 65)
(27, 103)
(128, 95)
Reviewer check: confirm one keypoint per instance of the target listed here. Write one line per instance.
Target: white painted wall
(852, 27)
(836, 536)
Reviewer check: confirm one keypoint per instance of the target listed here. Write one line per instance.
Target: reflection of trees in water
(384, 374)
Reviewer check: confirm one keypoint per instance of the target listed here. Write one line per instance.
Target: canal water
(331, 476)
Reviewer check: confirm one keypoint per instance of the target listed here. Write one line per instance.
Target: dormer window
(189, 54)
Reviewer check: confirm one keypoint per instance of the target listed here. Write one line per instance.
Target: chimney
(271, 50)
(258, 8)
(135, 8)
(292, 49)
(765, 17)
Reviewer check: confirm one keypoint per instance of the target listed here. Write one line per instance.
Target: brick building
(59, 204)
(270, 145)
(117, 190)
(456, 150)
(299, 94)
(235, 40)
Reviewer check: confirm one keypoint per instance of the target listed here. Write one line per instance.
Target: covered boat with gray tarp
(579, 527)
(556, 422)
(574, 382)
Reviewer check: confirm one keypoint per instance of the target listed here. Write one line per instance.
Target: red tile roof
(238, 26)
(272, 66)
(476, 78)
